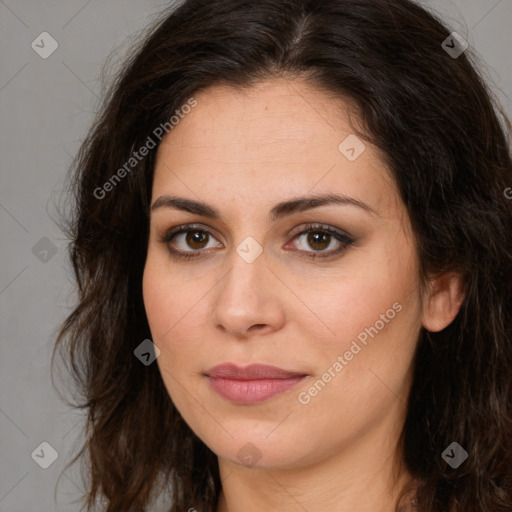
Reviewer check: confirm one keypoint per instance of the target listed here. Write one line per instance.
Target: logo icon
(454, 455)
(249, 249)
(249, 454)
(147, 352)
(45, 455)
(352, 147)
(454, 45)
(44, 250)
(44, 45)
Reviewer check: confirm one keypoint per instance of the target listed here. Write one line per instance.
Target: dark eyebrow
(279, 211)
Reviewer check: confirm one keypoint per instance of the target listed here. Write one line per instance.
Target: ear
(442, 301)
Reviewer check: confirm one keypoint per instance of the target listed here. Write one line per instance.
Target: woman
(292, 242)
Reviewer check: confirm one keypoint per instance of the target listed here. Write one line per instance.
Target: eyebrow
(279, 211)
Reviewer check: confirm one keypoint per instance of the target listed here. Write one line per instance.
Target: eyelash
(340, 236)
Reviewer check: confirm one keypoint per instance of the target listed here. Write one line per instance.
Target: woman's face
(344, 323)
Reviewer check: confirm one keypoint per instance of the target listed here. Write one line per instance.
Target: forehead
(279, 137)
(273, 110)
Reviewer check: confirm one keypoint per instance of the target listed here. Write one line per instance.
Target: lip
(251, 384)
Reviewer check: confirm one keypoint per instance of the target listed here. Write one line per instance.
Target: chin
(251, 450)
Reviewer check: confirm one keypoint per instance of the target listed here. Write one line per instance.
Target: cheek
(378, 323)
(164, 309)
(154, 297)
(364, 370)
(167, 296)
(163, 312)
(361, 296)
(173, 303)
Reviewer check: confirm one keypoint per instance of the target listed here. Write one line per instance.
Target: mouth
(252, 384)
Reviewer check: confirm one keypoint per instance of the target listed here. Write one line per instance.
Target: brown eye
(318, 241)
(196, 239)
(186, 241)
(321, 238)
(314, 241)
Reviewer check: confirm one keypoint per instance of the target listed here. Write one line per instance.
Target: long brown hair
(443, 137)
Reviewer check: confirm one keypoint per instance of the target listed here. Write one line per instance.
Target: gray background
(46, 106)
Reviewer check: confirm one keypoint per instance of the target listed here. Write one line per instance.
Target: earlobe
(442, 301)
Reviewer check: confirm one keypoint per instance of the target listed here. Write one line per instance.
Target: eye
(186, 236)
(317, 237)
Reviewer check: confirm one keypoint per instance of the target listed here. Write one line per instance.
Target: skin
(242, 153)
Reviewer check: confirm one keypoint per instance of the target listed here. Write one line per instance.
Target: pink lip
(252, 384)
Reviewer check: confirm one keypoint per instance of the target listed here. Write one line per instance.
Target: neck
(364, 476)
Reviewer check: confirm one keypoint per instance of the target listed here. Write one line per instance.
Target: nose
(249, 299)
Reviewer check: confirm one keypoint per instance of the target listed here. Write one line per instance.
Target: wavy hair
(444, 137)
